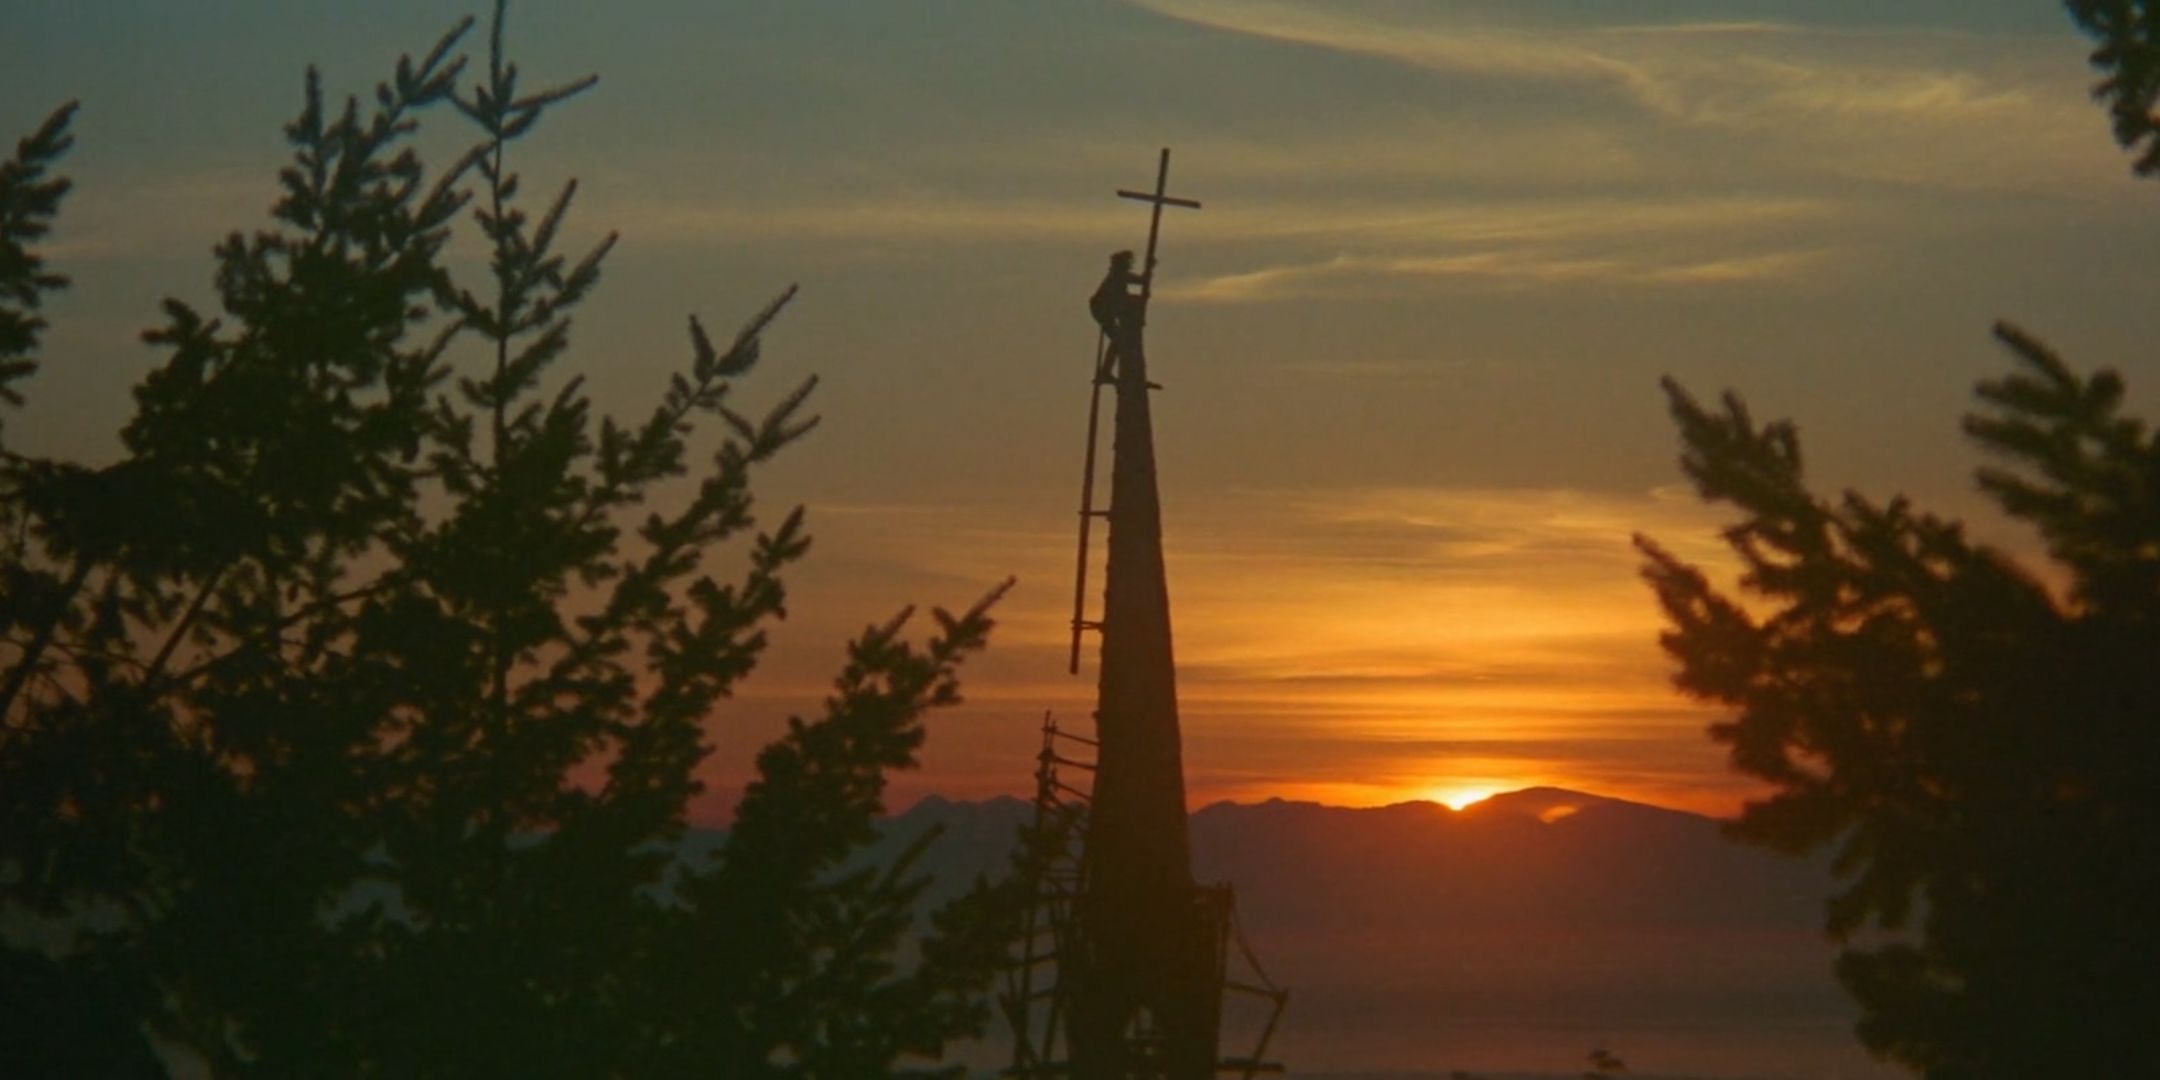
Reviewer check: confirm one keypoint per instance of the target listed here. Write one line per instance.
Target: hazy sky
(1410, 347)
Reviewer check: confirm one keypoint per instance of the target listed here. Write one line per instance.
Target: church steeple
(1139, 948)
(1151, 952)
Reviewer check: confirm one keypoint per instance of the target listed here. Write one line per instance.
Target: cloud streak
(1383, 637)
(1942, 109)
(1485, 53)
(1683, 72)
(1393, 222)
(1366, 276)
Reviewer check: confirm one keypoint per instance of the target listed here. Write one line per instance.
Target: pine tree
(352, 715)
(1972, 739)
(2129, 52)
(1974, 749)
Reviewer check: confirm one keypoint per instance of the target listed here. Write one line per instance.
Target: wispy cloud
(1368, 275)
(1918, 107)
(900, 216)
(1476, 52)
(1641, 241)
(1774, 265)
(1742, 28)
(1680, 71)
(1548, 220)
(1360, 572)
(1396, 222)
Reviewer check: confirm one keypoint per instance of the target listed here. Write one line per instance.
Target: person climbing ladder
(1116, 309)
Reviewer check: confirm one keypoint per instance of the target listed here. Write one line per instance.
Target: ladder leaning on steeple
(1105, 373)
(1088, 513)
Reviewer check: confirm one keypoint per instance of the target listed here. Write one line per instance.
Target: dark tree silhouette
(29, 198)
(1975, 741)
(351, 716)
(1976, 749)
(2129, 51)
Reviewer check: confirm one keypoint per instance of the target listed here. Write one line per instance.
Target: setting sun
(1459, 797)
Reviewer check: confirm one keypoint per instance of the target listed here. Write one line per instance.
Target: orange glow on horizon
(1464, 796)
(1436, 644)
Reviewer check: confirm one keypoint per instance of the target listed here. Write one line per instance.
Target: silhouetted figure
(1115, 308)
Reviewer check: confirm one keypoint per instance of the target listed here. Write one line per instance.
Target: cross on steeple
(1162, 179)
(1137, 949)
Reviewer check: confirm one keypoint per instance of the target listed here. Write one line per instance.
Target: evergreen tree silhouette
(2129, 52)
(1975, 750)
(351, 716)
(1975, 747)
(1972, 739)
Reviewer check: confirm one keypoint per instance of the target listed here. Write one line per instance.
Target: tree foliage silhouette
(1974, 748)
(352, 714)
(1972, 739)
(2129, 52)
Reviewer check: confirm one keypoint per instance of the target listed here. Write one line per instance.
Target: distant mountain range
(1508, 938)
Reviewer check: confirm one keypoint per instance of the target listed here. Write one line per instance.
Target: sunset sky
(1410, 348)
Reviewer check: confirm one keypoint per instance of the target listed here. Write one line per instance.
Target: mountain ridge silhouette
(1509, 936)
